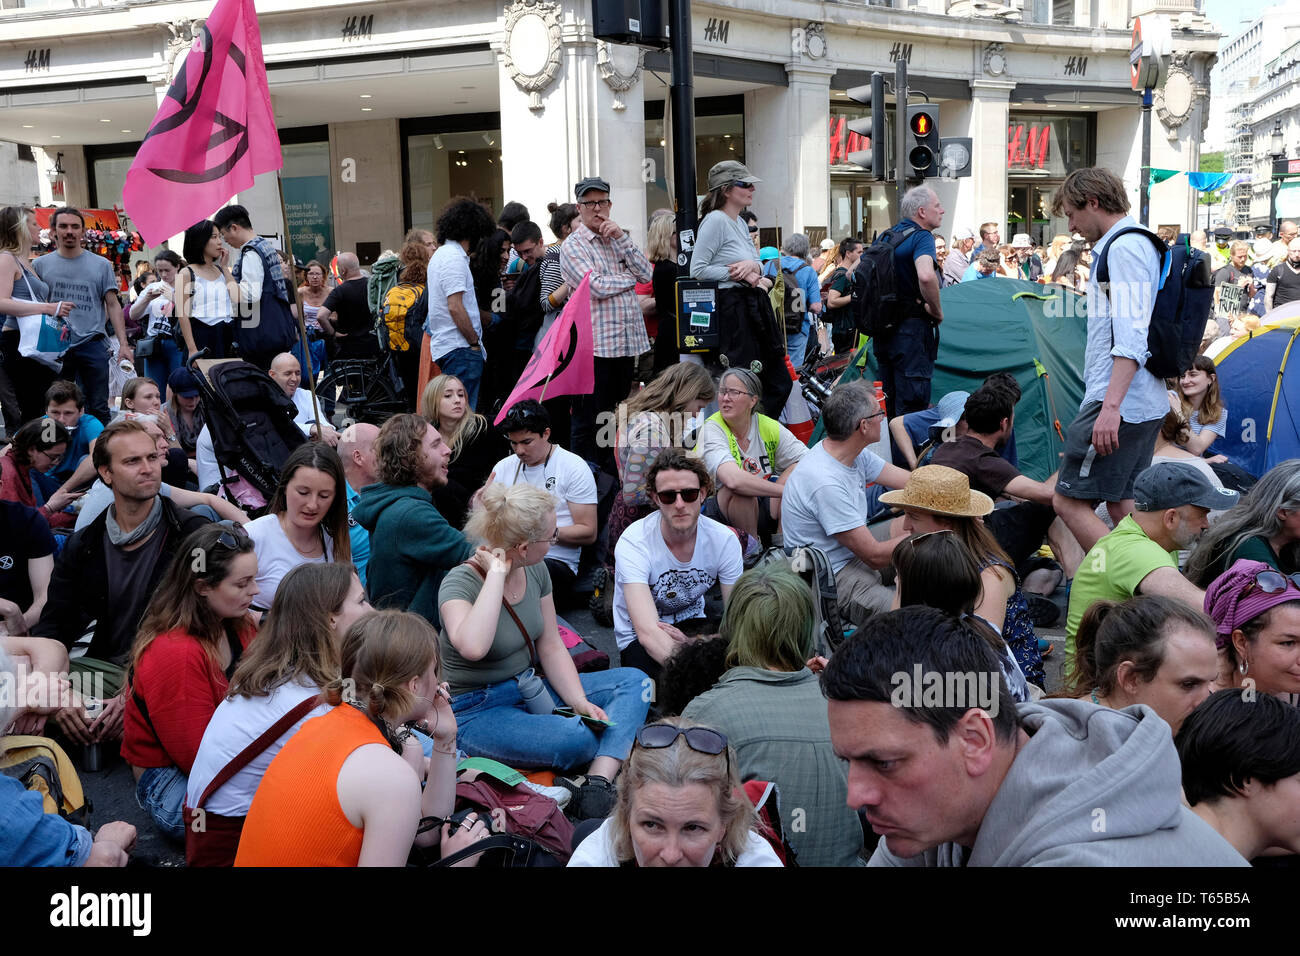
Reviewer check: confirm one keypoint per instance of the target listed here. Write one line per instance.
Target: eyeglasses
(742, 185)
(921, 537)
(670, 497)
(732, 393)
(1271, 582)
(553, 539)
(597, 203)
(868, 418)
(753, 230)
(700, 739)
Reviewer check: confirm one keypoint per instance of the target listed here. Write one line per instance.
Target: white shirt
(448, 274)
(276, 556)
(210, 303)
(678, 587)
(598, 850)
(824, 498)
(302, 401)
(235, 724)
(567, 477)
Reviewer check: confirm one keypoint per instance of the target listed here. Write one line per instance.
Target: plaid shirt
(616, 266)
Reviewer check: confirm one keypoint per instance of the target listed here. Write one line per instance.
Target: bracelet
(439, 750)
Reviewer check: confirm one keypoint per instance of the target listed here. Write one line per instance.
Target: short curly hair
(462, 219)
(397, 450)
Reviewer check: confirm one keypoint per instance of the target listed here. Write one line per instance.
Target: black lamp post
(1278, 148)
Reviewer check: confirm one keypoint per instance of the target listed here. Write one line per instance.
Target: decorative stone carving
(531, 52)
(620, 82)
(183, 31)
(1175, 100)
(814, 40)
(995, 59)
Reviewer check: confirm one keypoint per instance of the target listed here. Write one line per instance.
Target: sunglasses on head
(235, 539)
(670, 497)
(1271, 582)
(700, 739)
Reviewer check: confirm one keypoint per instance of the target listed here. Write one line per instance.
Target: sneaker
(1042, 612)
(601, 604)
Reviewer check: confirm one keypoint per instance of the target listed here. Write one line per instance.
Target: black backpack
(793, 315)
(876, 305)
(416, 316)
(1182, 304)
(524, 303)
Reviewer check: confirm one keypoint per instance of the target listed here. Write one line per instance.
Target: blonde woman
(508, 668)
(661, 250)
(475, 445)
(680, 803)
(23, 293)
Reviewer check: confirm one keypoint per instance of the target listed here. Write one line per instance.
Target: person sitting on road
(34, 449)
(188, 645)
(65, 404)
(108, 571)
(1241, 770)
(750, 457)
(937, 569)
(1172, 503)
(295, 656)
(345, 790)
(31, 837)
(26, 563)
(307, 519)
(500, 636)
(539, 462)
(1148, 650)
(680, 803)
(826, 500)
(965, 777)
(1198, 397)
(770, 706)
(412, 545)
(286, 371)
(473, 445)
(666, 563)
(1256, 612)
(1265, 527)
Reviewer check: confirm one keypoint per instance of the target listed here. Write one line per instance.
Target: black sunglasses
(753, 230)
(1271, 582)
(700, 739)
(739, 184)
(669, 497)
(235, 539)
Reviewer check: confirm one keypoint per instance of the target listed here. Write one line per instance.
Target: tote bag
(43, 338)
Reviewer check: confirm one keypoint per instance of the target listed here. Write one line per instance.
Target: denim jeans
(165, 359)
(161, 792)
(493, 722)
(796, 345)
(467, 365)
(88, 363)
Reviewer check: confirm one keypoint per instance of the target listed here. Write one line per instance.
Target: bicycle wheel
(358, 392)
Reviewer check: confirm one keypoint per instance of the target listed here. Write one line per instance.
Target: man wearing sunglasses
(665, 563)
(108, 571)
(600, 246)
(826, 507)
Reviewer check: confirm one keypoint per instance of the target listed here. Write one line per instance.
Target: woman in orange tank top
(345, 789)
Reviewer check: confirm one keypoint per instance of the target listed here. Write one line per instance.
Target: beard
(1184, 536)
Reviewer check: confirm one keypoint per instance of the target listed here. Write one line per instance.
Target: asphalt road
(112, 790)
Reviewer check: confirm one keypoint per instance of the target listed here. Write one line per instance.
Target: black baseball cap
(588, 184)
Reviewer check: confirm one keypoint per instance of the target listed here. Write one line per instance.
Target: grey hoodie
(1092, 787)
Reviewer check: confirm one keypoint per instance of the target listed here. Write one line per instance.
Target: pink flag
(564, 362)
(214, 131)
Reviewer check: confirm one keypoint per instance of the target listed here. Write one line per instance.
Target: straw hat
(942, 491)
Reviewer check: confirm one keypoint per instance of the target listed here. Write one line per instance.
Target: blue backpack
(1182, 304)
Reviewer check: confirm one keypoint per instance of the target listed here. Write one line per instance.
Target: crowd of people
(306, 678)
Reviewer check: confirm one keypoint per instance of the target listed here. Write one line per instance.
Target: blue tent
(1259, 376)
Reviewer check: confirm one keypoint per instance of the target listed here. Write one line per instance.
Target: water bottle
(91, 756)
(533, 692)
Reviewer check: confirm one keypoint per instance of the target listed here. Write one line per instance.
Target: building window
(719, 135)
(309, 207)
(444, 158)
(1042, 149)
(25, 153)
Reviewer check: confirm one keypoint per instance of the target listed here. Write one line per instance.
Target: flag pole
(297, 308)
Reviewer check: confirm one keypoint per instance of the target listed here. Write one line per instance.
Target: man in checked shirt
(600, 246)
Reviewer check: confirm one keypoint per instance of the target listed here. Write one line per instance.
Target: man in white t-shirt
(825, 502)
(286, 371)
(665, 563)
(454, 326)
(539, 462)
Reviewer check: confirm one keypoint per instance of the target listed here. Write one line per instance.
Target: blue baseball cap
(768, 253)
(950, 409)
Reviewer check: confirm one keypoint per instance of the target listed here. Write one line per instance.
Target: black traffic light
(923, 139)
(616, 21)
(875, 159)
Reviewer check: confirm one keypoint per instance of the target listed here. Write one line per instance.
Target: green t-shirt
(1112, 571)
(508, 655)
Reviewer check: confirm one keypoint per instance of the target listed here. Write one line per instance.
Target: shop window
(1046, 145)
(442, 165)
(719, 136)
(309, 209)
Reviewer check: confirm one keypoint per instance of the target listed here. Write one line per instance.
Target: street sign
(1148, 55)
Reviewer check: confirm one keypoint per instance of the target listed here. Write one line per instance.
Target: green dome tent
(1035, 332)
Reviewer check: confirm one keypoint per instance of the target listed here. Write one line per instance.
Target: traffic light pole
(683, 101)
(1145, 198)
(900, 128)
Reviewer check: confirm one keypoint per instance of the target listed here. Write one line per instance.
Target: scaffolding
(1240, 159)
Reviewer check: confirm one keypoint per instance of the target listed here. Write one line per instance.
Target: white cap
(1021, 241)
(962, 233)
(828, 244)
